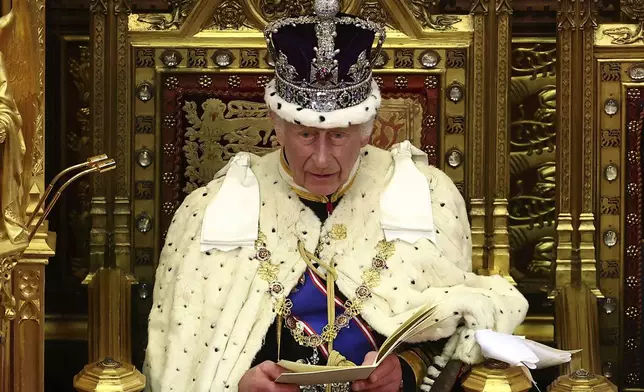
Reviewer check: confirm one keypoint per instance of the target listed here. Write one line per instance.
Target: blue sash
(310, 307)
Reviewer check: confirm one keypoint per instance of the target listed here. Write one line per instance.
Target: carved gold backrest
(199, 100)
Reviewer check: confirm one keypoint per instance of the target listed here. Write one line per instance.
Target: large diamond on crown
(323, 101)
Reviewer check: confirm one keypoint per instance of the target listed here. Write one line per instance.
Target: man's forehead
(300, 127)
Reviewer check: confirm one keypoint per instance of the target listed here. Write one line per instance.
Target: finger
(386, 368)
(391, 378)
(271, 370)
(370, 358)
(386, 372)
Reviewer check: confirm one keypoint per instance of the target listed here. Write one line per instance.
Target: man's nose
(321, 155)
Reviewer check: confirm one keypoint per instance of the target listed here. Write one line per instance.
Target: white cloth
(405, 204)
(232, 217)
(518, 351)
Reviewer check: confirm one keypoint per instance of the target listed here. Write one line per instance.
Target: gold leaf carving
(398, 119)
(404, 58)
(29, 284)
(588, 115)
(455, 125)
(197, 58)
(624, 35)
(478, 104)
(249, 58)
(374, 11)
(229, 15)
(7, 300)
(144, 57)
(276, 9)
(502, 115)
(533, 132)
(425, 12)
(609, 269)
(634, 9)
(535, 60)
(240, 125)
(611, 72)
(610, 205)
(179, 10)
(542, 258)
(456, 58)
(479, 7)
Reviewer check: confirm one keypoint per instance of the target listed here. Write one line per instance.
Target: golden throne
(546, 156)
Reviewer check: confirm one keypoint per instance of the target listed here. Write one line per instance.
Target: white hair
(366, 129)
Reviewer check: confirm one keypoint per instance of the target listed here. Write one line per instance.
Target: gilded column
(575, 281)
(499, 261)
(476, 142)
(121, 116)
(565, 29)
(110, 280)
(587, 28)
(27, 350)
(98, 108)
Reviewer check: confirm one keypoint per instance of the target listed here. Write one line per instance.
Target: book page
(422, 318)
(305, 374)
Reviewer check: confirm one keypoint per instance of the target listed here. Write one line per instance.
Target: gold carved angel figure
(13, 149)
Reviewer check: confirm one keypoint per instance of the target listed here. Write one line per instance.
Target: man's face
(320, 159)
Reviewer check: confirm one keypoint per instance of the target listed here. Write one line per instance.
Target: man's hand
(386, 377)
(262, 378)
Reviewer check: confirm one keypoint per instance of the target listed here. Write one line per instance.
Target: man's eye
(306, 135)
(339, 135)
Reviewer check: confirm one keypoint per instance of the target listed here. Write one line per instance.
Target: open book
(304, 374)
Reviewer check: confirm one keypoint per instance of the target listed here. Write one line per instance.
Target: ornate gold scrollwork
(624, 35)
(372, 10)
(537, 60)
(422, 10)
(536, 134)
(8, 301)
(243, 124)
(532, 167)
(229, 15)
(29, 284)
(275, 9)
(179, 12)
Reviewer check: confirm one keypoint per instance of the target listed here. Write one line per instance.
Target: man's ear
(365, 141)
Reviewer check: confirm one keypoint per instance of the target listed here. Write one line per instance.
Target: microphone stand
(9, 255)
